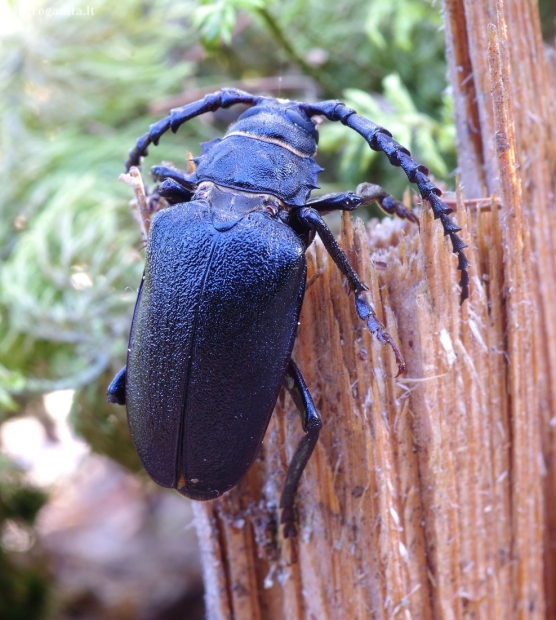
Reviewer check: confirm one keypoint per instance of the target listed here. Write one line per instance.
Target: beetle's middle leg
(312, 219)
(364, 195)
(374, 193)
(312, 423)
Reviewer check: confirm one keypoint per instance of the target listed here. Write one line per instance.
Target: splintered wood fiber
(431, 495)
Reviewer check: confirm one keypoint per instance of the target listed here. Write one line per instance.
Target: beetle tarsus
(369, 193)
(287, 519)
(367, 314)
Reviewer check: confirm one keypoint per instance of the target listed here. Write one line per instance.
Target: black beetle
(218, 308)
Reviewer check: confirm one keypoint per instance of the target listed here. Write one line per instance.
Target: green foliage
(71, 259)
(430, 140)
(77, 92)
(23, 590)
(11, 381)
(59, 288)
(398, 21)
(361, 43)
(547, 11)
(215, 19)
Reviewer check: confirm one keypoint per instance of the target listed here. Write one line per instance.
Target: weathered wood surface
(430, 495)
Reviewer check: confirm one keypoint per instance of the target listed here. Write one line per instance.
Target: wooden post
(431, 495)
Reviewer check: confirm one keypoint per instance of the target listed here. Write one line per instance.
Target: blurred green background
(77, 92)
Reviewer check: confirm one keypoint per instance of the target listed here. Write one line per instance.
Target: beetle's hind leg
(312, 219)
(312, 423)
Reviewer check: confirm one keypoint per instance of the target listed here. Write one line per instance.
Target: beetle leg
(342, 201)
(365, 194)
(116, 389)
(222, 99)
(173, 192)
(313, 220)
(380, 139)
(312, 423)
(370, 193)
(175, 186)
(163, 172)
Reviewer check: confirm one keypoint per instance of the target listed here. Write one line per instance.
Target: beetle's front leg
(314, 221)
(312, 423)
(165, 172)
(174, 192)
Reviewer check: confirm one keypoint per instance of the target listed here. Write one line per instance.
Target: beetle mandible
(218, 307)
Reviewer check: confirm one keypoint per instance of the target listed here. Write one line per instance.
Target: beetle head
(283, 122)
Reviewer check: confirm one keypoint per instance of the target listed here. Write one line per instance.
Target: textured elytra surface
(223, 304)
